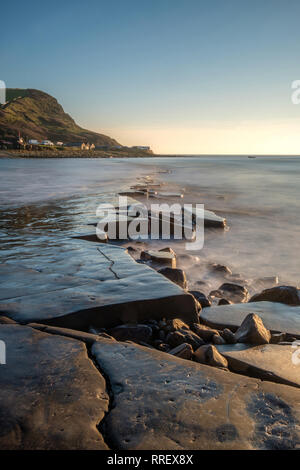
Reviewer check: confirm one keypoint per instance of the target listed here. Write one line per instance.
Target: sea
(43, 200)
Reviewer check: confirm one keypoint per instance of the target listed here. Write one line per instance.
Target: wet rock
(158, 399)
(277, 338)
(88, 338)
(164, 347)
(234, 292)
(276, 317)
(175, 275)
(168, 250)
(185, 351)
(204, 332)
(217, 339)
(224, 302)
(177, 338)
(209, 217)
(52, 397)
(160, 257)
(201, 298)
(221, 269)
(253, 331)
(208, 354)
(228, 336)
(288, 295)
(266, 362)
(109, 288)
(132, 249)
(176, 325)
(161, 335)
(131, 332)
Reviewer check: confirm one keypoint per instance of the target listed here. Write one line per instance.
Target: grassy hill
(38, 115)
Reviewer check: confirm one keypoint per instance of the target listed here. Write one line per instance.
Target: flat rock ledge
(51, 394)
(276, 317)
(82, 285)
(272, 362)
(164, 402)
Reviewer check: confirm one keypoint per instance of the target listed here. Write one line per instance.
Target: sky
(183, 76)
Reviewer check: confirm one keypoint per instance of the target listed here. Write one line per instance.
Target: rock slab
(275, 316)
(164, 402)
(268, 362)
(51, 394)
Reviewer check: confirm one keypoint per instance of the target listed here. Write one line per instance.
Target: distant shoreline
(74, 153)
(116, 153)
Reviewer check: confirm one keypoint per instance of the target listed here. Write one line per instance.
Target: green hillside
(38, 115)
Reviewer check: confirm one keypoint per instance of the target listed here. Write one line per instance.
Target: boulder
(185, 351)
(267, 362)
(278, 338)
(162, 402)
(175, 275)
(176, 325)
(220, 269)
(208, 354)
(159, 257)
(217, 339)
(228, 336)
(234, 292)
(201, 298)
(276, 317)
(52, 397)
(131, 332)
(224, 302)
(179, 337)
(204, 332)
(253, 331)
(288, 295)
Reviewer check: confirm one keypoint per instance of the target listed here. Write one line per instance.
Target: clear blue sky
(188, 73)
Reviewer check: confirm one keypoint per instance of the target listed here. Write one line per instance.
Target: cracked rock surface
(51, 394)
(81, 284)
(163, 402)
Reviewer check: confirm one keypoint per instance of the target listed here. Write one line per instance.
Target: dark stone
(208, 354)
(253, 331)
(217, 339)
(160, 257)
(52, 397)
(228, 336)
(130, 332)
(221, 269)
(175, 275)
(201, 298)
(179, 337)
(234, 292)
(185, 351)
(288, 295)
(204, 332)
(224, 302)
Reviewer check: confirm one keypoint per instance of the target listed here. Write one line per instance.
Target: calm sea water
(259, 197)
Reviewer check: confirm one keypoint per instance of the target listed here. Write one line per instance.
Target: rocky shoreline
(109, 347)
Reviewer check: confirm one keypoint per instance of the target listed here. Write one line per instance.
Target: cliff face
(38, 115)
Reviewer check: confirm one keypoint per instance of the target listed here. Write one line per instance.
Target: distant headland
(33, 123)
